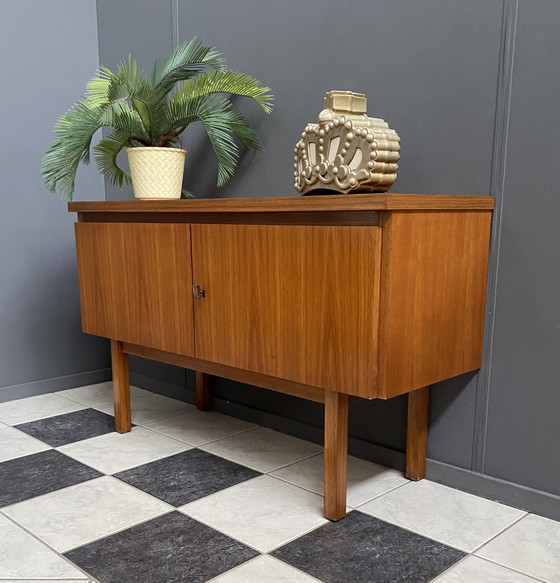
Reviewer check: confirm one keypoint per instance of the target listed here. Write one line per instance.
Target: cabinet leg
(417, 433)
(203, 391)
(336, 449)
(121, 387)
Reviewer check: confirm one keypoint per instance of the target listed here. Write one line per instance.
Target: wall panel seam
(174, 23)
(497, 184)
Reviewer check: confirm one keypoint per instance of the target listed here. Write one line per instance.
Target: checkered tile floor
(192, 497)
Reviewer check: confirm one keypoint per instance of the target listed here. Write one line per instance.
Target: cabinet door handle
(197, 293)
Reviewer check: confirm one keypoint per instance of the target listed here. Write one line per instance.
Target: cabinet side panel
(433, 289)
(135, 283)
(293, 302)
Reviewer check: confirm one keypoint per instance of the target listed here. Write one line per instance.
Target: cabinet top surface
(353, 202)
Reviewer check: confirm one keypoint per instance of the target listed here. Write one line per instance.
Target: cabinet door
(294, 302)
(135, 283)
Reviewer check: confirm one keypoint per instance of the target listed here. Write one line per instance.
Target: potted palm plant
(147, 115)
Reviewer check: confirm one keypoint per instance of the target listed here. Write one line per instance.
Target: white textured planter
(157, 173)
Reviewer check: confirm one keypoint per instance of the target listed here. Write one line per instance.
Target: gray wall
(472, 88)
(50, 51)
(523, 431)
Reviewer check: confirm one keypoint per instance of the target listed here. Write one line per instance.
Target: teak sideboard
(329, 298)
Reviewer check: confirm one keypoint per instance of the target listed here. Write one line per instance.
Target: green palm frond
(225, 82)
(110, 88)
(74, 132)
(124, 118)
(243, 131)
(140, 111)
(186, 61)
(106, 156)
(221, 121)
(151, 105)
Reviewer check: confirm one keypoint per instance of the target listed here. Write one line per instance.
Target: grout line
(7, 424)
(269, 473)
(440, 576)
(167, 511)
(285, 542)
(124, 469)
(51, 492)
(264, 472)
(128, 527)
(147, 426)
(533, 577)
(407, 528)
(48, 545)
(89, 405)
(383, 494)
(296, 568)
(302, 534)
(295, 462)
(296, 485)
(499, 533)
(213, 527)
(472, 554)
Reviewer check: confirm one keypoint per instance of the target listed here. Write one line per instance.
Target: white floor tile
(475, 570)
(450, 516)
(15, 443)
(264, 568)
(263, 513)
(23, 556)
(151, 407)
(79, 514)
(199, 427)
(115, 452)
(33, 408)
(366, 480)
(263, 449)
(531, 546)
(98, 394)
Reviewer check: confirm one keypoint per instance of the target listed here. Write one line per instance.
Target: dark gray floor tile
(363, 549)
(70, 427)
(187, 476)
(170, 549)
(40, 473)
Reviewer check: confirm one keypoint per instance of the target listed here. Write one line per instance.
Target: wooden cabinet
(135, 283)
(280, 300)
(324, 297)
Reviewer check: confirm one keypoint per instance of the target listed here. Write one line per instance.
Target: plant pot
(157, 173)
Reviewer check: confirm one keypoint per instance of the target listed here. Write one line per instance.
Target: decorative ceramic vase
(346, 151)
(157, 173)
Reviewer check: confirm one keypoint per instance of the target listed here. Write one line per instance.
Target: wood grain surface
(433, 291)
(228, 372)
(417, 433)
(121, 387)
(336, 458)
(293, 302)
(283, 204)
(135, 283)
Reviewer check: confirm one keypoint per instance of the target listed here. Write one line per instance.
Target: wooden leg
(203, 392)
(121, 387)
(417, 433)
(336, 449)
